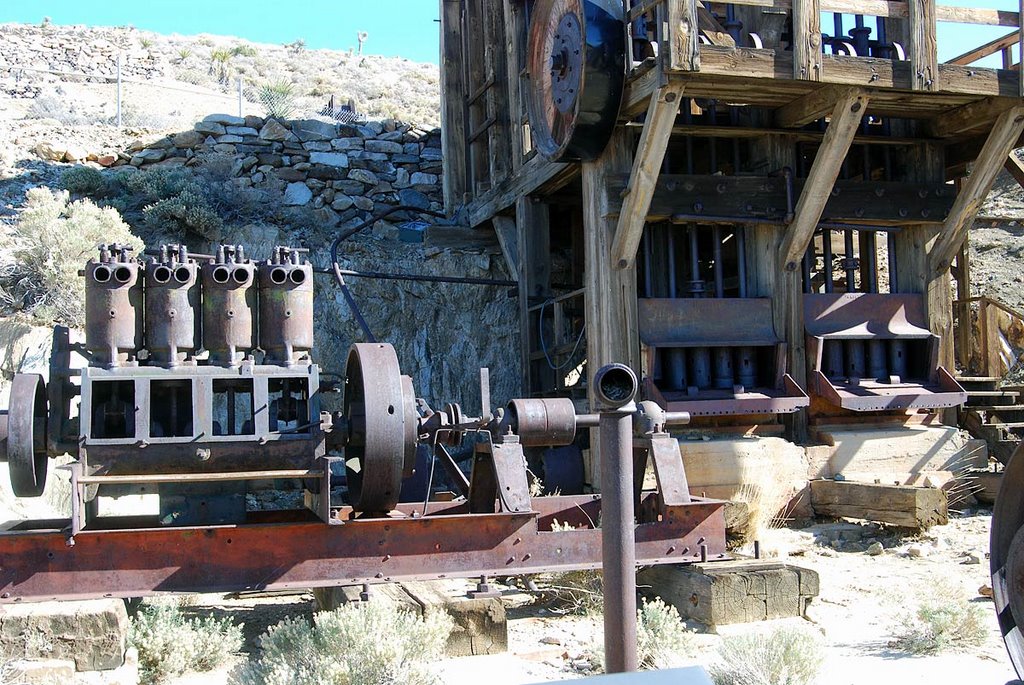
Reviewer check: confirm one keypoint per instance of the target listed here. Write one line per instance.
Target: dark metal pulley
(380, 411)
(26, 435)
(1006, 559)
(577, 67)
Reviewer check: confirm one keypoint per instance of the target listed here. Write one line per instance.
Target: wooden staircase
(993, 414)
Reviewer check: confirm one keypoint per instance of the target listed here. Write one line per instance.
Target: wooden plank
(1000, 141)
(499, 145)
(683, 35)
(711, 29)
(898, 505)
(806, 40)
(978, 114)
(535, 174)
(505, 230)
(985, 50)
(453, 114)
(533, 233)
(896, 9)
(515, 32)
(1015, 167)
(923, 50)
(661, 117)
(846, 118)
(811, 107)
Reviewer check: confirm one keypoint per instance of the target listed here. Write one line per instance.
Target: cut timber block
(480, 624)
(898, 505)
(727, 592)
(93, 634)
(896, 450)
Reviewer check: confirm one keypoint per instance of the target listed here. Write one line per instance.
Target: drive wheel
(26, 435)
(1006, 557)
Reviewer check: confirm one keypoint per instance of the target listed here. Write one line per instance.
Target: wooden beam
(923, 50)
(505, 229)
(898, 505)
(683, 35)
(846, 117)
(991, 159)
(1015, 168)
(453, 113)
(712, 29)
(533, 233)
(661, 117)
(811, 107)
(806, 40)
(536, 175)
(895, 9)
(975, 115)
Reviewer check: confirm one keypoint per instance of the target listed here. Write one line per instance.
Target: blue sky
(403, 28)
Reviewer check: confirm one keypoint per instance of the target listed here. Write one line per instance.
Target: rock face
(92, 634)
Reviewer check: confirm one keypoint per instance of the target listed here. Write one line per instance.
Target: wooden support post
(453, 112)
(1020, 47)
(846, 117)
(1001, 139)
(495, 54)
(515, 31)
(988, 324)
(974, 115)
(684, 36)
(636, 201)
(807, 40)
(508, 241)
(965, 327)
(923, 52)
(1015, 167)
(810, 107)
(533, 273)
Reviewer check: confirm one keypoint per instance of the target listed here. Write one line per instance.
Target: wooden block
(898, 505)
(723, 593)
(983, 484)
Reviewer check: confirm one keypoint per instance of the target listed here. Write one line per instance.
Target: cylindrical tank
(113, 307)
(286, 307)
(229, 306)
(172, 305)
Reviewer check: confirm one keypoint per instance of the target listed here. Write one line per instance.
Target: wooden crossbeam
(505, 229)
(636, 201)
(1015, 168)
(846, 117)
(810, 107)
(991, 159)
(968, 117)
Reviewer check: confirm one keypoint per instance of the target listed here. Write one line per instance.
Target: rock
(421, 179)
(413, 198)
(242, 131)
(290, 174)
(314, 129)
(402, 179)
(92, 634)
(971, 559)
(253, 121)
(384, 146)
(51, 152)
(326, 173)
(75, 153)
(225, 119)
(317, 146)
(325, 216)
(210, 128)
(274, 131)
(342, 202)
(917, 551)
(170, 162)
(366, 204)
(224, 148)
(550, 640)
(249, 162)
(335, 159)
(148, 156)
(107, 160)
(363, 176)
(188, 139)
(985, 591)
(40, 671)
(229, 138)
(347, 144)
(874, 549)
(432, 153)
(297, 195)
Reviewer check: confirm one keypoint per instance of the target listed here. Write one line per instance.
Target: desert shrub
(145, 43)
(184, 54)
(788, 656)
(220, 60)
(662, 637)
(167, 202)
(64, 110)
(945, 621)
(169, 643)
(83, 180)
(49, 243)
(377, 643)
(278, 99)
(296, 46)
(244, 50)
(187, 212)
(576, 592)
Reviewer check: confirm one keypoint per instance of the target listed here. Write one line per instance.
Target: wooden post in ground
(453, 106)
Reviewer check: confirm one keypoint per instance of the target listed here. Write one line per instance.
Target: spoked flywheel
(380, 410)
(577, 66)
(1007, 559)
(26, 435)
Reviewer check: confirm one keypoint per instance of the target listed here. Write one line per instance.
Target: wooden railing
(991, 343)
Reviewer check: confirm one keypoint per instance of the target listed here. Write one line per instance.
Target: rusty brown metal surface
(39, 565)
(700, 322)
(874, 396)
(172, 307)
(543, 422)
(1005, 545)
(229, 310)
(786, 399)
(865, 315)
(26, 435)
(113, 307)
(286, 307)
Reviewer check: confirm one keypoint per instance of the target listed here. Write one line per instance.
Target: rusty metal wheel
(380, 409)
(577, 66)
(1006, 556)
(26, 435)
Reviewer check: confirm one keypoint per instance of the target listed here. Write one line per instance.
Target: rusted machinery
(199, 379)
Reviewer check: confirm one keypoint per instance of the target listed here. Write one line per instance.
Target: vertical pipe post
(826, 245)
(671, 262)
(848, 262)
(891, 248)
(716, 252)
(240, 97)
(119, 90)
(741, 258)
(648, 282)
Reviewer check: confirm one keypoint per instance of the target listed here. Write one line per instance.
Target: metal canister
(172, 305)
(113, 307)
(229, 306)
(286, 307)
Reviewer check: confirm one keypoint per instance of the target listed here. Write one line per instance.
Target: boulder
(342, 202)
(274, 131)
(229, 138)
(92, 634)
(188, 139)
(210, 128)
(49, 151)
(297, 195)
(347, 143)
(106, 160)
(241, 131)
(335, 159)
(317, 146)
(290, 174)
(421, 179)
(314, 129)
(225, 119)
(253, 121)
(414, 198)
(75, 153)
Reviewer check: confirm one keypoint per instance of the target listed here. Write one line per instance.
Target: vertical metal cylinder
(675, 371)
(746, 366)
(229, 307)
(286, 307)
(826, 250)
(805, 266)
(647, 263)
(172, 307)
(855, 359)
(849, 261)
(671, 258)
(716, 255)
(113, 307)
(891, 248)
(832, 359)
(724, 378)
(696, 283)
(700, 367)
(618, 542)
(898, 358)
(870, 259)
(741, 259)
(877, 367)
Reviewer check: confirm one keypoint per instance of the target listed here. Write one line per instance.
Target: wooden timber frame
(763, 77)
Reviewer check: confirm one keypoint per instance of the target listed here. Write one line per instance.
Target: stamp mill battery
(114, 311)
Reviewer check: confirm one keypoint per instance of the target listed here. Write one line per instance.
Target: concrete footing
(722, 593)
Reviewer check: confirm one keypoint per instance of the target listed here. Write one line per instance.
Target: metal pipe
(876, 359)
(746, 365)
(833, 359)
(893, 274)
(647, 263)
(671, 263)
(898, 358)
(696, 283)
(716, 254)
(413, 277)
(854, 359)
(618, 542)
(826, 249)
(805, 265)
(700, 372)
(724, 378)
(871, 247)
(741, 259)
(849, 261)
(675, 372)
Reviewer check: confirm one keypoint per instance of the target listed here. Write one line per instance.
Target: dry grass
(946, 621)
(787, 656)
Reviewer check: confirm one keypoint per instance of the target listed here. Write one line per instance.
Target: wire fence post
(240, 97)
(119, 90)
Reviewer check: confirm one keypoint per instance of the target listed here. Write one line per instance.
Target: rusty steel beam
(38, 565)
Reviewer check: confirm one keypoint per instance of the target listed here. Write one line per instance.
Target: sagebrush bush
(946, 621)
(787, 656)
(662, 637)
(83, 180)
(169, 203)
(51, 240)
(375, 643)
(169, 643)
(187, 212)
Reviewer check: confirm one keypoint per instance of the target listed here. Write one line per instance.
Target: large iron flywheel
(380, 410)
(1006, 555)
(26, 435)
(577, 65)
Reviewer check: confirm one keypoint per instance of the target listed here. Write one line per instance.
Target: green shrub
(946, 621)
(662, 637)
(169, 643)
(51, 240)
(187, 212)
(296, 46)
(167, 202)
(576, 592)
(278, 99)
(145, 43)
(244, 50)
(376, 643)
(83, 180)
(184, 54)
(787, 656)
